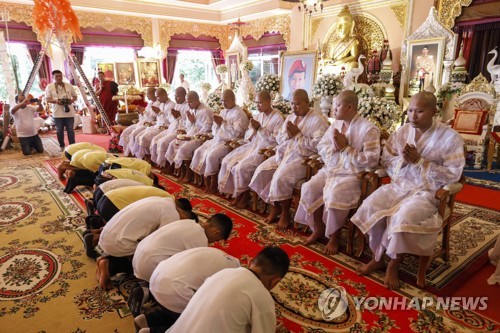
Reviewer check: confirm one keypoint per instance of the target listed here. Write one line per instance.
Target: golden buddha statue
(343, 44)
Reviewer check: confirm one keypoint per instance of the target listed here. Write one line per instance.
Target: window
(23, 65)
(95, 55)
(263, 64)
(197, 67)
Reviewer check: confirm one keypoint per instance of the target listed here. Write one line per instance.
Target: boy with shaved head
(351, 145)
(177, 118)
(238, 166)
(275, 179)
(230, 124)
(401, 217)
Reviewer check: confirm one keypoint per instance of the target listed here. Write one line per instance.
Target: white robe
(233, 300)
(179, 150)
(163, 119)
(401, 217)
(337, 185)
(159, 144)
(207, 158)
(168, 240)
(276, 177)
(120, 236)
(238, 166)
(128, 136)
(174, 281)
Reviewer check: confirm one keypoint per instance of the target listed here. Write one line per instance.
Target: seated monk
(163, 112)
(146, 116)
(198, 124)
(351, 145)
(238, 166)
(401, 217)
(230, 124)
(275, 179)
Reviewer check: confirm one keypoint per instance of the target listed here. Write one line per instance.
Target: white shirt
(185, 85)
(233, 300)
(118, 183)
(55, 92)
(164, 243)
(174, 281)
(24, 120)
(129, 226)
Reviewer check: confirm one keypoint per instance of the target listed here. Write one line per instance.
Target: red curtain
(44, 71)
(168, 65)
(217, 59)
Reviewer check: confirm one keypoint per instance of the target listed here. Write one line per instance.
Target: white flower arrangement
(214, 102)
(285, 107)
(206, 86)
(246, 66)
(221, 69)
(363, 90)
(269, 83)
(380, 111)
(327, 85)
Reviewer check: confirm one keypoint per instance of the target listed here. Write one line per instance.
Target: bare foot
(373, 265)
(283, 223)
(235, 201)
(272, 216)
(332, 247)
(391, 280)
(244, 200)
(170, 169)
(319, 230)
(212, 187)
(104, 273)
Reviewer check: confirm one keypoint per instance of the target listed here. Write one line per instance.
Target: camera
(66, 102)
(33, 100)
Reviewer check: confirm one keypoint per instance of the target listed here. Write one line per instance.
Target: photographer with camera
(62, 95)
(24, 121)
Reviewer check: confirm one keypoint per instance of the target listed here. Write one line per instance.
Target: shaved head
(301, 95)
(150, 93)
(228, 99)
(180, 95)
(264, 95)
(349, 97)
(426, 98)
(193, 95)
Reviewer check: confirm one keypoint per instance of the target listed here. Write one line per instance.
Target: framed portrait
(108, 69)
(298, 71)
(149, 72)
(125, 73)
(233, 66)
(425, 62)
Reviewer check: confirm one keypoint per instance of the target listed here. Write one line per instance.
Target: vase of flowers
(445, 98)
(380, 111)
(283, 106)
(246, 66)
(269, 83)
(214, 102)
(326, 87)
(205, 88)
(222, 70)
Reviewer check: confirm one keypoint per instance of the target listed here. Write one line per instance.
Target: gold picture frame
(125, 73)
(425, 66)
(149, 72)
(108, 68)
(233, 67)
(299, 68)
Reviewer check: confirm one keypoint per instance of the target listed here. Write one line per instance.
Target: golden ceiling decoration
(170, 28)
(24, 14)
(400, 11)
(141, 25)
(315, 23)
(278, 23)
(451, 9)
(18, 13)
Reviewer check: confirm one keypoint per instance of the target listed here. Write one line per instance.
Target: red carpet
(480, 196)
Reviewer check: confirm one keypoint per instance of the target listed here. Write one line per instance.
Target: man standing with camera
(62, 95)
